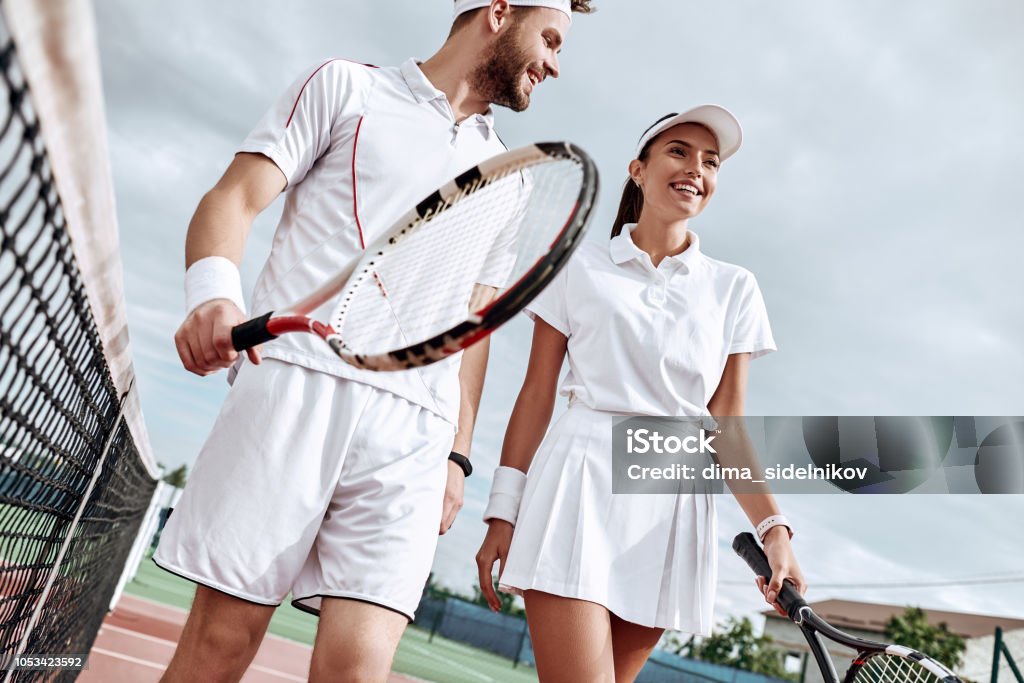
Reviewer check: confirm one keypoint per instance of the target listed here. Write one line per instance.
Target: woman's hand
(784, 567)
(493, 549)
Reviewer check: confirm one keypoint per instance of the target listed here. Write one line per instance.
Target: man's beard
(499, 78)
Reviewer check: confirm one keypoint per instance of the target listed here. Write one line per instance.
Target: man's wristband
(462, 461)
(213, 277)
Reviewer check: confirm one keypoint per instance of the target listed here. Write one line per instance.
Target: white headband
(564, 6)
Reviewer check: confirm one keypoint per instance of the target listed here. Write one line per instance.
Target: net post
(1003, 648)
(996, 652)
(522, 643)
(438, 618)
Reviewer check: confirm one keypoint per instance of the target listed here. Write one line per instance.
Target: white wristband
(213, 277)
(769, 523)
(506, 493)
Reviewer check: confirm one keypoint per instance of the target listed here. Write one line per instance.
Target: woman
(651, 326)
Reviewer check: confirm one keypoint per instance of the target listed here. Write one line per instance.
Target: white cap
(564, 6)
(718, 120)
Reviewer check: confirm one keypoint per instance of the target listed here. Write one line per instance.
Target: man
(319, 479)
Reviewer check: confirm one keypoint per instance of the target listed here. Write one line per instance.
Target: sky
(875, 199)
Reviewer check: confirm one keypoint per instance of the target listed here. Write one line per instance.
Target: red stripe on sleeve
(315, 72)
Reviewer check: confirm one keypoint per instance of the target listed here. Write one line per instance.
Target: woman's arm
(525, 431)
(736, 450)
(536, 402)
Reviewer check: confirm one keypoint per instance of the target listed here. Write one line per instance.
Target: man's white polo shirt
(359, 146)
(646, 340)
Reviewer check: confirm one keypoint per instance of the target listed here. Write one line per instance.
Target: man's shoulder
(343, 67)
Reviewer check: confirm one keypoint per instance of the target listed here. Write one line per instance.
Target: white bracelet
(769, 523)
(506, 493)
(213, 277)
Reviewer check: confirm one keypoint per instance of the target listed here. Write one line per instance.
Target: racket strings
(886, 668)
(492, 235)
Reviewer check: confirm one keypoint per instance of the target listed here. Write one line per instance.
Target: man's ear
(498, 14)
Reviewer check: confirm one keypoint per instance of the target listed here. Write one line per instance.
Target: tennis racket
(874, 663)
(454, 268)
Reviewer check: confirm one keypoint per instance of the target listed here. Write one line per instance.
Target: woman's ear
(636, 168)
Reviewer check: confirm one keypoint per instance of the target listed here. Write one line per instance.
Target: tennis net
(74, 488)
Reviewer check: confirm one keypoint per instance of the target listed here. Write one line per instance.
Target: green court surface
(440, 660)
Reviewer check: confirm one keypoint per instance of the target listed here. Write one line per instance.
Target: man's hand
(453, 492)
(204, 339)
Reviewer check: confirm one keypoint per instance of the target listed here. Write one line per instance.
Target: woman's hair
(632, 202)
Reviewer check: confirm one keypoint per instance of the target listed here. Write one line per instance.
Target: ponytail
(630, 206)
(632, 202)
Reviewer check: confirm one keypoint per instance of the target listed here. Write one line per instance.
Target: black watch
(462, 461)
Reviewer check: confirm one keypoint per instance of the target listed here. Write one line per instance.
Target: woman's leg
(572, 639)
(631, 646)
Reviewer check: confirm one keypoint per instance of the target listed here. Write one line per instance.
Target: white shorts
(314, 485)
(649, 559)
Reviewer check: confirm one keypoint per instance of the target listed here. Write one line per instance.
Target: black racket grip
(251, 333)
(747, 547)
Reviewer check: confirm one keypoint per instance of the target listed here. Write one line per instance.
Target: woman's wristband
(769, 523)
(213, 277)
(506, 493)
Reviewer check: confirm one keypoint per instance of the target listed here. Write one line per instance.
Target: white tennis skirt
(650, 559)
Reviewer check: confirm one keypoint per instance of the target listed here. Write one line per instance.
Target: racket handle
(251, 333)
(747, 547)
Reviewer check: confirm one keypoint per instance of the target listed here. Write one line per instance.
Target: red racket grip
(747, 547)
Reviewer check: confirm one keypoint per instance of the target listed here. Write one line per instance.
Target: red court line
(137, 641)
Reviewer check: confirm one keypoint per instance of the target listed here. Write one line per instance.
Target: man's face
(521, 57)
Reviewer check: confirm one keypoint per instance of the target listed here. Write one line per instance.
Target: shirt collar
(623, 249)
(424, 91)
(420, 86)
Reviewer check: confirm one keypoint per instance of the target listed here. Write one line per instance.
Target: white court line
(172, 644)
(172, 608)
(131, 597)
(471, 672)
(279, 674)
(133, 660)
(136, 634)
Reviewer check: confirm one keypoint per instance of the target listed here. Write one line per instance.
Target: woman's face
(680, 173)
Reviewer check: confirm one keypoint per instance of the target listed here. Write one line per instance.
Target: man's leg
(355, 642)
(220, 638)
(376, 542)
(251, 511)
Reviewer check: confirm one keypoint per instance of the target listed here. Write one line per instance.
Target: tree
(177, 477)
(913, 630)
(736, 645)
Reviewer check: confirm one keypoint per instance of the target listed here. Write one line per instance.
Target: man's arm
(471, 384)
(220, 227)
